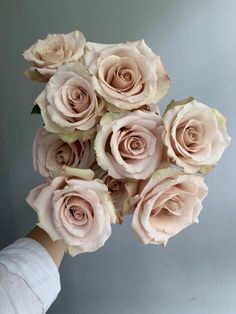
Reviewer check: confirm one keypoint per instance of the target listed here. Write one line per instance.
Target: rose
(120, 190)
(50, 153)
(69, 103)
(127, 75)
(47, 54)
(76, 211)
(129, 145)
(169, 202)
(195, 135)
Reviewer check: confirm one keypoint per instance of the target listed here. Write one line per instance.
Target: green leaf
(182, 102)
(36, 110)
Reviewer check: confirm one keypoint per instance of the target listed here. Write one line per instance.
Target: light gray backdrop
(196, 273)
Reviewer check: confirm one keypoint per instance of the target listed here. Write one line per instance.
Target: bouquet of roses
(106, 152)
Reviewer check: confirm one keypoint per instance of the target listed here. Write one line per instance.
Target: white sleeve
(29, 278)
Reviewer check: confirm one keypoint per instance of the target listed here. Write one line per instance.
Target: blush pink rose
(127, 75)
(129, 145)
(46, 55)
(50, 153)
(76, 211)
(195, 135)
(167, 203)
(69, 103)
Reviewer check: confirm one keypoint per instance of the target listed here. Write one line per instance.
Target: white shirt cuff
(29, 260)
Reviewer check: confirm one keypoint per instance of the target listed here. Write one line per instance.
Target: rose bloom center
(136, 143)
(63, 155)
(192, 134)
(77, 213)
(170, 207)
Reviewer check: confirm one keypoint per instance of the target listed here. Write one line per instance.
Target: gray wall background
(196, 273)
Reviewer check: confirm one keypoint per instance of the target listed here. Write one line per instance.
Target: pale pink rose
(195, 135)
(127, 75)
(76, 211)
(69, 103)
(169, 202)
(49, 53)
(129, 145)
(50, 153)
(120, 190)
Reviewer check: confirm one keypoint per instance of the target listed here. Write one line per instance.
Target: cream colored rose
(127, 75)
(195, 135)
(76, 211)
(69, 103)
(169, 202)
(49, 53)
(50, 153)
(129, 145)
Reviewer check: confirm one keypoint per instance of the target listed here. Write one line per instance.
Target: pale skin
(54, 248)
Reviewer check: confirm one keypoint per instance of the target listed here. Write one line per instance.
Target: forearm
(54, 248)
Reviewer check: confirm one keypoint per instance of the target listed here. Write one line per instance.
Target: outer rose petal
(163, 78)
(92, 50)
(40, 198)
(86, 174)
